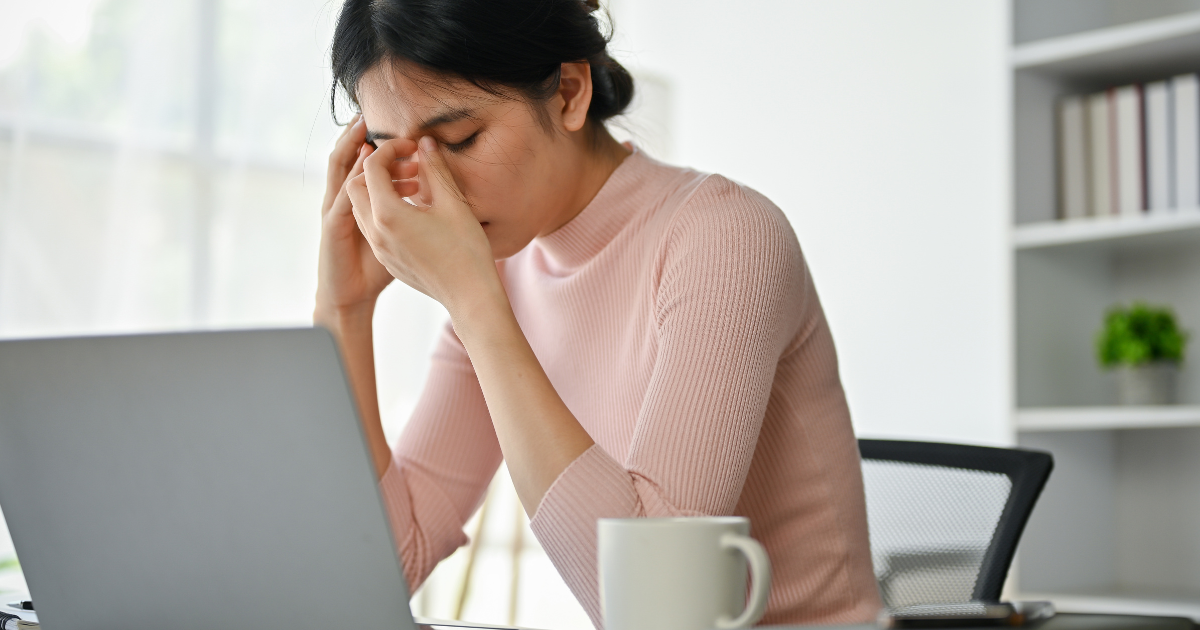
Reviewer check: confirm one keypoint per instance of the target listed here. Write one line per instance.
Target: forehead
(400, 98)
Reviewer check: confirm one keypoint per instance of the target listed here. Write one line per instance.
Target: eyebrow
(448, 116)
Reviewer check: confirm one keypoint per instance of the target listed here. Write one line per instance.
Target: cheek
(497, 176)
(491, 189)
(500, 196)
(498, 172)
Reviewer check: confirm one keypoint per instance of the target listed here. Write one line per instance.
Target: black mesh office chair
(945, 519)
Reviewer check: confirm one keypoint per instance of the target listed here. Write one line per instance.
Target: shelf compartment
(1038, 419)
(1120, 604)
(1127, 52)
(1163, 228)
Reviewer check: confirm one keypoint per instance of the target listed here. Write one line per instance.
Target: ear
(575, 89)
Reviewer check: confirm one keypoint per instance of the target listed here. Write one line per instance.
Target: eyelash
(464, 145)
(454, 148)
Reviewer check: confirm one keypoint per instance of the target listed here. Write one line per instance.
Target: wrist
(481, 313)
(340, 319)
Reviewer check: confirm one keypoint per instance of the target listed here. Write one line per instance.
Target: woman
(632, 338)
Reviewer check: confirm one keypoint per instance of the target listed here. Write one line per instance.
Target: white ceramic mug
(681, 573)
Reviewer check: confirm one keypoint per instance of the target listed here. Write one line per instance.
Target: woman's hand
(349, 278)
(438, 247)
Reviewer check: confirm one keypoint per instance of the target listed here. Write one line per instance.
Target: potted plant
(1145, 347)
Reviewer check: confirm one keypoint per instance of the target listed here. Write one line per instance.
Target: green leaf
(1139, 334)
(10, 564)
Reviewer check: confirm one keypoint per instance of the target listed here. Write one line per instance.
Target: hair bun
(612, 87)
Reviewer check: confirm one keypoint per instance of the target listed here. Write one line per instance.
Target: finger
(435, 180)
(343, 156)
(404, 177)
(377, 167)
(403, 170)
(346, 147)
(406, 188)
(360, 200)
(364, 152)
(356, 181)
(342, 202)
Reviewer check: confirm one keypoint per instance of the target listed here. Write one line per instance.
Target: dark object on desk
(1062, 621)
(8, 622)
(945, 519)
(1069, 621)
(970, 614)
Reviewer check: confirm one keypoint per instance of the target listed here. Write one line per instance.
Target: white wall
(881, 129)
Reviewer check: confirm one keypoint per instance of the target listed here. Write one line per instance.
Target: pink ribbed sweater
(677, 320)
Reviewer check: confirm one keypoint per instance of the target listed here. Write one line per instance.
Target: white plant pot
(1147, 384)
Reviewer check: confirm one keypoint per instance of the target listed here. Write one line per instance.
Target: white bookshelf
(1147, 47)
(1106, 418)
(1164, 229)
(1117, 529)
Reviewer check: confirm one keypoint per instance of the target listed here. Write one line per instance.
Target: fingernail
(427, 144)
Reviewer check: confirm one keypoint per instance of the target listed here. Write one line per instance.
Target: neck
(600, 156)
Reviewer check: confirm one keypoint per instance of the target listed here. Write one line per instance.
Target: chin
(500, 253)
(506, 247)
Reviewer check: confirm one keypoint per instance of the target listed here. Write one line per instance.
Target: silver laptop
(197, 480)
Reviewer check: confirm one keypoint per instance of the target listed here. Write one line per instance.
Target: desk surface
(1065, 621)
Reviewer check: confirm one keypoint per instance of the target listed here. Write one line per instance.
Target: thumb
(434, 180)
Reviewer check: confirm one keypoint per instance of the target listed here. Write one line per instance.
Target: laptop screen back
(196, 480)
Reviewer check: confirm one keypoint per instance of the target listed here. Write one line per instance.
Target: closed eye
(459, 147)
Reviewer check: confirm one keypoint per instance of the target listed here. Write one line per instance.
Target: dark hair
(519, 44)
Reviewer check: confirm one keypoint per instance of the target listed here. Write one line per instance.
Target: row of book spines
(1130, 149)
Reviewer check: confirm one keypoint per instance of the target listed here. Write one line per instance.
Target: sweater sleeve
(731, 291)
(442, 464)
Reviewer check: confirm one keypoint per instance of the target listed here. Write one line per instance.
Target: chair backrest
(945, 519)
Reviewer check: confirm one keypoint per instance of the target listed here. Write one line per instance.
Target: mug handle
(760, 575)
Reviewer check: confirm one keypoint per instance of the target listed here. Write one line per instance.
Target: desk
(1061, 621)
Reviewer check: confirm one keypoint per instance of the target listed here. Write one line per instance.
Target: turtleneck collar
(621, 197)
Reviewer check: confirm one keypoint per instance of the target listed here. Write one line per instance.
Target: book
(1072, 158)
(1130, 190)
(1100, 159)
(1159, 149)
(1185, 113)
